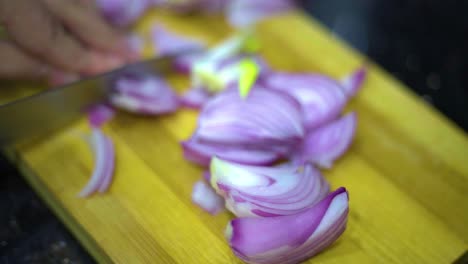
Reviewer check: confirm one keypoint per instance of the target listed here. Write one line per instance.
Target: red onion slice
(244, 13)
(104, 153)
(266, 118)
(144, 94)
(267, 191)
(168, 42)
(195, 98)
(205, 197)
(322, 98)
(353, 82)
(100, 114)
(184, 64)
(291, 238)
(201, 153)
(122, 12)
(227, 73)
(324, 145)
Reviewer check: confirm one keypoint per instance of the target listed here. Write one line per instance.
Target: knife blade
(43, 113)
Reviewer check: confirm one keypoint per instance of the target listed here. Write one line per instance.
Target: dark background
(421, 42)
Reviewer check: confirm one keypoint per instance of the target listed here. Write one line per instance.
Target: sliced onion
(219, 66)
(167, 42)
(171, 43)
(258, 130)
(202, 152)
(195, 98)
(267, 119)
(216, 76)
(122, 12)
(213, 5)
(207, 175)
(205, 197)
(100, 114)
(244, 13)
(184, 64)
(291, 238)
(352, 83)
(324, 145)
(267, 191)
(215, 58)
(104, 164)
(244, 42)
(227, 74)
(144, 94)
(322, 98)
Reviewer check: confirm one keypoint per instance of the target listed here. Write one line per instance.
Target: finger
(89, 4)
(35, 30)
(102, 62)
(58, 78)
(15, 64)
(88, 25)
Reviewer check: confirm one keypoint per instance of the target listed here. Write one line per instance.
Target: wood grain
(407, 172)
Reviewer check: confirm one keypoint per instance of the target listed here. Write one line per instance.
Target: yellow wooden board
(407, 171)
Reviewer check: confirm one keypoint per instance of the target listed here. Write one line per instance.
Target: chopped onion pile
(286, 213)
(262, 133)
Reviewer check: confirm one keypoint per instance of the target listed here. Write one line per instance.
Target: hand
(49, 35)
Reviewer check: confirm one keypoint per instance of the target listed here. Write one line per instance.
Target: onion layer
(322, 98)
(353, 82)
(195, 98)
(259, 129)
(202, 152)
(267, 191)
(122, 12)
(244, 13)
(171, 43)
(291, 238)
(324, 145)
(144, 94)
(266, 118)
(100, 114)
(104, 153)
(205, 197)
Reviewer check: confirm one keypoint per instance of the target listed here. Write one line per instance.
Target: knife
(45, 112)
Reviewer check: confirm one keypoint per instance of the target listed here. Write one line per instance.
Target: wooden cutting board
(407, 171)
